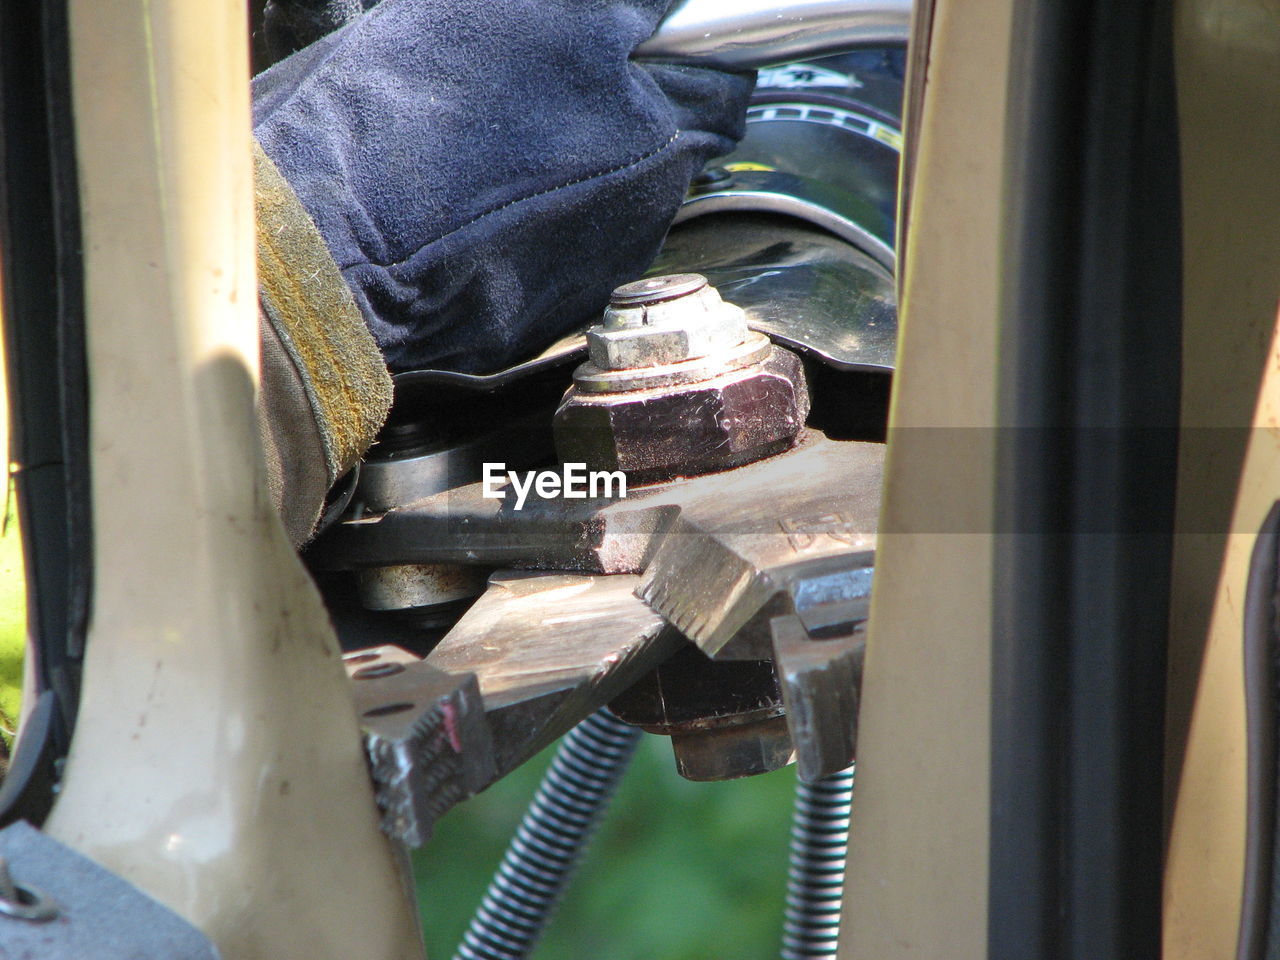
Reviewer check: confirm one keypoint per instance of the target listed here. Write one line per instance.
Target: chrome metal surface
(799, 285)
(417, 585)
(757, 33)
(844, 214)
(391, 481)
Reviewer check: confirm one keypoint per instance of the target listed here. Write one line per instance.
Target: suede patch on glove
(315, 317)
(324, 390)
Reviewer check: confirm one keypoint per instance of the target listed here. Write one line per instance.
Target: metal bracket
(533, 656)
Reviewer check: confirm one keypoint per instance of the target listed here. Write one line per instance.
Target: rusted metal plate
(534, 656)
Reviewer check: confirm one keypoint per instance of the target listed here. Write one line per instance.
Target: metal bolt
(23, 902)
(664, 320)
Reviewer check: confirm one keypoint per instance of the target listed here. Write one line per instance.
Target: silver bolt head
(662, 320)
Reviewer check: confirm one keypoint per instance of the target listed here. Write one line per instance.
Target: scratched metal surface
(548, 649)
(821, 496)
(537, 653)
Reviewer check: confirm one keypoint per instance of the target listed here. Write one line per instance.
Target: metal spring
(550, 840)
(815, 877)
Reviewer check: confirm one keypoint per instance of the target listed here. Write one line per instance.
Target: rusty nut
(664, 432)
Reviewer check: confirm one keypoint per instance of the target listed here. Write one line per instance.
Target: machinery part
(663, 320)
(758, 33)
(815, 876)
(733, 749)
(819, 680)
(677, 386)
(397, 472)
(532, 657)
(550, 840)
(818, 652)
(823, 144)
(424, 731)
(716, 548)
(725, 719)
(418, 586)
(807, 289)
(685, 430)
(731, 718)
(715, 574)
(751, 351)
(848, 216)
(549, 648)
(822, 148)
(96, 913)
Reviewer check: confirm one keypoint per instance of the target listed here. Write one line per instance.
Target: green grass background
(13, 609)
(677, 871)
(12, 623)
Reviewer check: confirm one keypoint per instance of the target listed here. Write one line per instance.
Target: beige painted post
(217, 761)
(916, 881)
(1228, 71)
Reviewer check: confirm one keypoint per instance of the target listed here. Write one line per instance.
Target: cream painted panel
(916, 881)
(1228, 67)
(217, 761)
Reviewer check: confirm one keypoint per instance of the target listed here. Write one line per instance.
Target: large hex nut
(686, 321)
(661, 433)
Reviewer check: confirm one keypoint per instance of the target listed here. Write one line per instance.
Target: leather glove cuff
(325, 390)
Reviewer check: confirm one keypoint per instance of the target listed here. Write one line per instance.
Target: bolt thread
(815, 876)
(551, 839)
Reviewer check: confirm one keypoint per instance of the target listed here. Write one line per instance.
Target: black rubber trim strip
(1089, 354)
(44, 342)
(27, 791)
(1261, 650)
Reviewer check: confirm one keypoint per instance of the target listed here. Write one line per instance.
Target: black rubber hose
(550, 841)
(815, 878)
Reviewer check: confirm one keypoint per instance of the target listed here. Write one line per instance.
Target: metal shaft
(550, 840)
(759, 33)
(815, 878)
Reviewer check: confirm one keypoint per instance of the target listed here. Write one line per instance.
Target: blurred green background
(12, 625)
(13, 611)
(677, 871)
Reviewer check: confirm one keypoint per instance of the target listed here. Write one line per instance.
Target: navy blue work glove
(485, 172)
